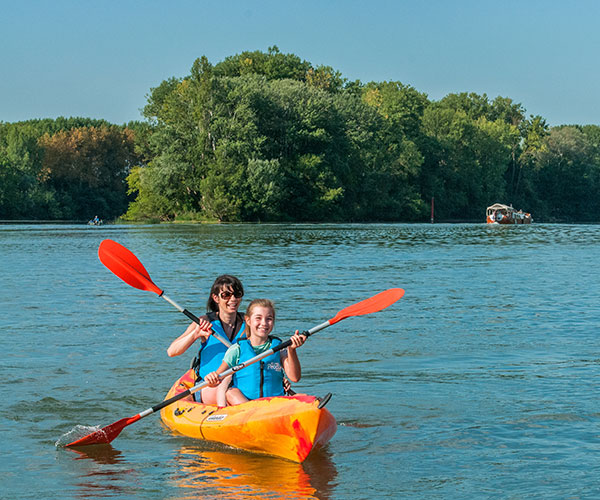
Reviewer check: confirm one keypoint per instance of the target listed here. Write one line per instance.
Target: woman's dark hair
(225, 280)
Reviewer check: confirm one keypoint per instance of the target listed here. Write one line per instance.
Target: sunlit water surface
(482, 382)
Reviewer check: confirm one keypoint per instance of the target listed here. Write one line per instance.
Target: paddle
(124, 264)
(370, 305)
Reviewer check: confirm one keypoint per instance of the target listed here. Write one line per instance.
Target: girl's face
(261, 322)
(227, 300)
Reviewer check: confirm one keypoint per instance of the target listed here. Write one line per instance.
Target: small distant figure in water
(95, 221)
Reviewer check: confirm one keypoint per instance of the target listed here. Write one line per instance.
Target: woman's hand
(193, 332)
(212, 379)
(202, 330)
(297, 340)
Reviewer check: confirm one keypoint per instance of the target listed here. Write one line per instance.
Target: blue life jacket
(261, 379)
(210, 355)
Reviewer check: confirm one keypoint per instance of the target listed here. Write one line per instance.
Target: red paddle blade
(126, 266)
(370, 305)
(106, 434)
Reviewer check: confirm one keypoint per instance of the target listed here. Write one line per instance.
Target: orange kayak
(285, 426)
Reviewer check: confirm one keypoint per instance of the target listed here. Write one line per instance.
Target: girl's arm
(291, 363)
(230, 359)
(213, 377)
(191, 334)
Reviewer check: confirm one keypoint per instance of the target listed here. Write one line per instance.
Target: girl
(264, 378)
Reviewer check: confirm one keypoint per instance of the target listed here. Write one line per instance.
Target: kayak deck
(285, 426)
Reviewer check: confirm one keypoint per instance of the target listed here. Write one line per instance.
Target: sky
(100, 59)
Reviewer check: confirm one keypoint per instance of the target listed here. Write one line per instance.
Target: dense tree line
(67, 169)
(270, 137)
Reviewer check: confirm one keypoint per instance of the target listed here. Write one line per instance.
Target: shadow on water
(243, 476)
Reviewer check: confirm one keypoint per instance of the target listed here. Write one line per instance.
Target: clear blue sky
(100, 58)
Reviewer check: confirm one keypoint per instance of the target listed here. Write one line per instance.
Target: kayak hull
(286, 426)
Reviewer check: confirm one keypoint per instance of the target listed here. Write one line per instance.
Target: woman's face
(261, 321)
(227, 300)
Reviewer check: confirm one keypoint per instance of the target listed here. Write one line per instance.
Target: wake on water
(74, 434)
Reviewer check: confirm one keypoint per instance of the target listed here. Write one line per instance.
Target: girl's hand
(297, 340)
(213, 379)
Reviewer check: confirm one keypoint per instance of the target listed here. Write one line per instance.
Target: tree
(87, 168)
(395, 181)
(401, 105)
(521, 185)
(273, 65)
(567, 176)
(466, 159)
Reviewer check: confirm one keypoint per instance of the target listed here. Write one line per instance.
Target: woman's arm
(191, 334)
(291, 363)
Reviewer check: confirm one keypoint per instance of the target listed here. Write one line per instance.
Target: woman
(222, 317)
(264, 379)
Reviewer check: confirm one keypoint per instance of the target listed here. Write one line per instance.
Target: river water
(482, 382)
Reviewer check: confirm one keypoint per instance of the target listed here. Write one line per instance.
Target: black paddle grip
(281, 346)
(288, 343)
(167, 402)
(192, 316)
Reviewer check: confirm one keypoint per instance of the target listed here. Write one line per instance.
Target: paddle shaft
(194, 318)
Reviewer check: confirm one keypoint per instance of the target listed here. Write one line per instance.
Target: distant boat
(504, 214)
(95, 221)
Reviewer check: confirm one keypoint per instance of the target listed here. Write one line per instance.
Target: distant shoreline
(133, 223)
(38, 221)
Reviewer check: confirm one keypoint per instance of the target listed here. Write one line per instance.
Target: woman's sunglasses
(227, 295)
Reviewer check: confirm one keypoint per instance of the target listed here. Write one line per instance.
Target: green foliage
(566, 176)
(467, 159)
(520, 178)
(273, 65)
(68, 168)
(401, 105)
(148, 202)
(476, 106)
(220, 199)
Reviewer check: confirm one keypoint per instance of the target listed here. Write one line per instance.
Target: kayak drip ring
(324, 400)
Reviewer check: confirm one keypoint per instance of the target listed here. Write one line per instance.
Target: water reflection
(244, 476)
(103, 474)
(100, 453)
